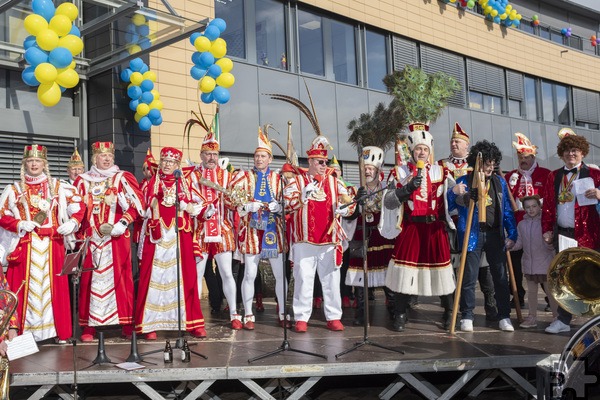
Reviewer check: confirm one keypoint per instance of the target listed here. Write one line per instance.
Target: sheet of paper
(566, 243)
(579, 188)
(21, 346)
(129, 366)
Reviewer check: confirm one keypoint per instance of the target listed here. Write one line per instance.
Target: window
(514, 108)
(586, 107)
(17, 95)
(233, 13)
(270, 34)
(527, 26)
(343, 50)
(485, 102)
(310, 34)
(376, 54)
(530, 99)
(544, 32)
(556, 36)
(555, 103)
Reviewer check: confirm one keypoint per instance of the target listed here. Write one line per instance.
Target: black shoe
(399, 323)
(446, 320)
(492, 317)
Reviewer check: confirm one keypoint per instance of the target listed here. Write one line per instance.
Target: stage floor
(435, 364)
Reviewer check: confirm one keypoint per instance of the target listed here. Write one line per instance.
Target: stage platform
(435, 364)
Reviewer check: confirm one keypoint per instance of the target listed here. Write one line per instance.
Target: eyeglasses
(321, 162)
(573, 151)
(168, 162)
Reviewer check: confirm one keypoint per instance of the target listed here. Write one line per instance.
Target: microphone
(177, 173)
(420, 166)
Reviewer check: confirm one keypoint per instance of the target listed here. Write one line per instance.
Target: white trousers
(250, 272)
(223, 261)
(308, 259)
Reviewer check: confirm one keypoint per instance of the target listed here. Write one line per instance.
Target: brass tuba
(574, 281)
(8, 307)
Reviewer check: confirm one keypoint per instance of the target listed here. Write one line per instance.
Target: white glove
(308, 189)
(27, 226)
(252, 206)
(118, 229)
(197, 208)
(342, 211)
(182, 205)
(67, 228)
(210, 211)
(274, 207)
(73, 208)
(123, 201)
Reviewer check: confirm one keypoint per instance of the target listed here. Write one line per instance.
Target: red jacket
(538, 178)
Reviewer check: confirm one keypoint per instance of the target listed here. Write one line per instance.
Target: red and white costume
(37, 257)
(112, 196)
(215, 235)
(157, 304)
(316, 237)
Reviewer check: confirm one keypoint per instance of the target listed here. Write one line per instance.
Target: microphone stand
(365, 265)
(285, 345)
(179, 342)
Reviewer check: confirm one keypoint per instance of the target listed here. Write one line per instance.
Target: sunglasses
(321, 162)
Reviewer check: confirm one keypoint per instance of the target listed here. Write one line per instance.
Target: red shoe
(88, 334)
(249, 322)
(259, 303)
(335, 325)
(150, 336)
(198, 333)
(127, 331)
(288, 324)
(301, 326)
(236, 322)
(317, 302)
(346, 302)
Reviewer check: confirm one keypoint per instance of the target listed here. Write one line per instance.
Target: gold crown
(35, 150)
(103, 147)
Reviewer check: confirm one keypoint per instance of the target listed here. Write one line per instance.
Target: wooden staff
(463, 254)
(482, 193)
(511, 271)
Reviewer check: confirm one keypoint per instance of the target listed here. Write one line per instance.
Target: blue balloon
(28, 76)
(75, 31)
(45, 8)
(516, 23)
(194, 36)
(145, 68)
(131, 38)
(196, 58)
(212, 32)
(29, 41)
(157, 121)
(62, 89)
(497, 19)
(143, 30)
(214, 71)
(145, 124)
(197, 73)
(563, 31)
(207, 98)
(147, 85)
(126, 75)
(60, 57)
(154, 114)
(219, 23)
(134, 92)
(145, 43)
(133, 104)
(147, 97)
(206, 60)
(35, 56)
(221, 95)
(136, 64)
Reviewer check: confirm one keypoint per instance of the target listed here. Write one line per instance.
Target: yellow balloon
(155, 94)
(220, 41)
(508, 8)
(143, 109)
(69, 10)
(136, 78)
(202, 44)
(67, 78)
(61, 24)
(218, 50)
(71, 43)
(225, 63)
(226, 80)
(138, 19)
(137, 117)
(48, 94)
(134, 49)
(73, 63)
(47, 39)
(503, 16)
(35, 23)
(150, 75)
(45, 73)
(494, 13)
(207, 84)
(518, 17)
(156, 104)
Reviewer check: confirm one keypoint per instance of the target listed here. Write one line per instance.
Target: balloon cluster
(211, 68)
(137, 34)
(462, 3)
(500, 12)
(566, 32)
(50, 48)
(594, 40)
(145, 100)
(535, 20)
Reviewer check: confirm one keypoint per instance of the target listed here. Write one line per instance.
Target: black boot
(448, 305)
(399, 323)
(400, 306)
